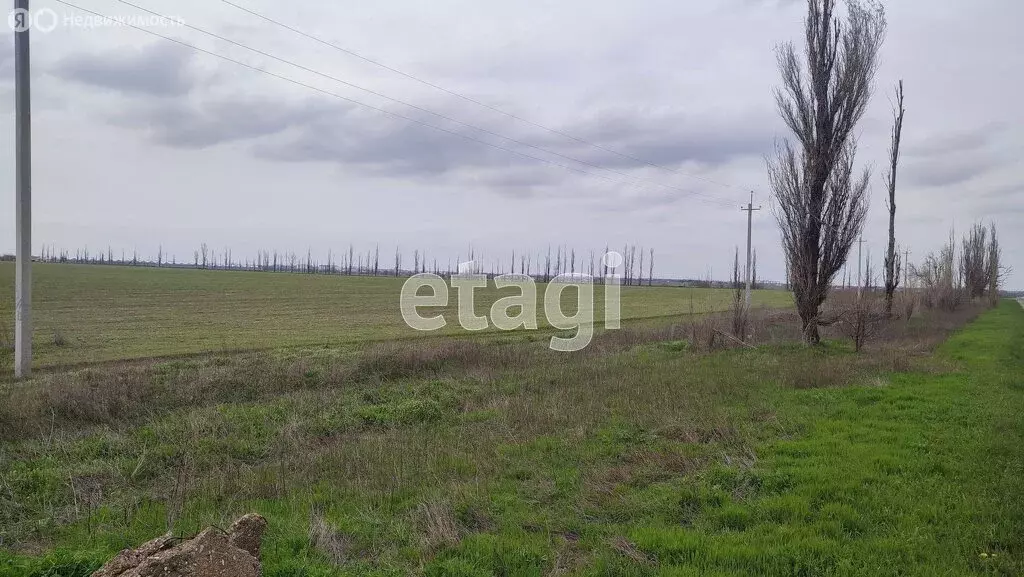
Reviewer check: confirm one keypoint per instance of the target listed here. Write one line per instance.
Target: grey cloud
(200, 125)
(948, 171)
(317, 129)
(314, 130)
(671, 138)
(158, 69)
(384, 146)
(955, 142)
(1011, 193)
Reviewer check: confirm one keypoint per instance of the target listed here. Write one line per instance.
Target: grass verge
(648, 459)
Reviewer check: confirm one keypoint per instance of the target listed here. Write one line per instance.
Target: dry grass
(817, 371)
(630, 551)
(331, 543)
(124, 393)
(437, 522)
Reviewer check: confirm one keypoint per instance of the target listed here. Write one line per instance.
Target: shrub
(861, 320)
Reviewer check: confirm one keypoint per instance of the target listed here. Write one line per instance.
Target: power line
(356, 102)
(414, 106)
(473, 100)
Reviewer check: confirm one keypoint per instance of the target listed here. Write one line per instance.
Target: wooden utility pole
(23, 193)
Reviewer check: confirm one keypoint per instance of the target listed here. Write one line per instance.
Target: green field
(109, 312)
(631, 458)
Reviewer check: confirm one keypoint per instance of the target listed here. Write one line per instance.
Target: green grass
(650, 461)
(111, 312)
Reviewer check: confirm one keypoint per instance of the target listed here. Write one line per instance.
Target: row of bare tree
(561, 261)
(822, 201)
(948, 280)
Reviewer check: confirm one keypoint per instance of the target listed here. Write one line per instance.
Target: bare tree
(739, 307)
(650, 269)
(822, 204)
(640, 269)
(997, 273)
(975, 265)
(754, 272)
(938, 278)
(203, 250)
(547, 266)
(633, 258)
(892, 258)
(863, 317)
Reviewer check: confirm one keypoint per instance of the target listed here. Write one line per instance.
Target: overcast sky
(140, 142)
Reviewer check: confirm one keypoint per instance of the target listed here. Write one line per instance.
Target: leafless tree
(938, 278)
(997, 273)
(633, 257)
(203, 250)
(862, 317)
(753, 272)
(650, 269)
(822, 203)
(547, 266)
(892, 258)
(640, 269)
(975, 268)
(739, 306)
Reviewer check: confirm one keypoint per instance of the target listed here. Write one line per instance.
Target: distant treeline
(636, 267)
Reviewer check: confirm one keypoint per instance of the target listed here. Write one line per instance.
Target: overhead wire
(420, 108)
(472, 100)
(359, 103)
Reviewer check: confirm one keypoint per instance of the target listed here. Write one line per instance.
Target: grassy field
(637, 457)
(108, 312)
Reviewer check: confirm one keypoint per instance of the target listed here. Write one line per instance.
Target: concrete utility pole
(750, 219)
(23, 194)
